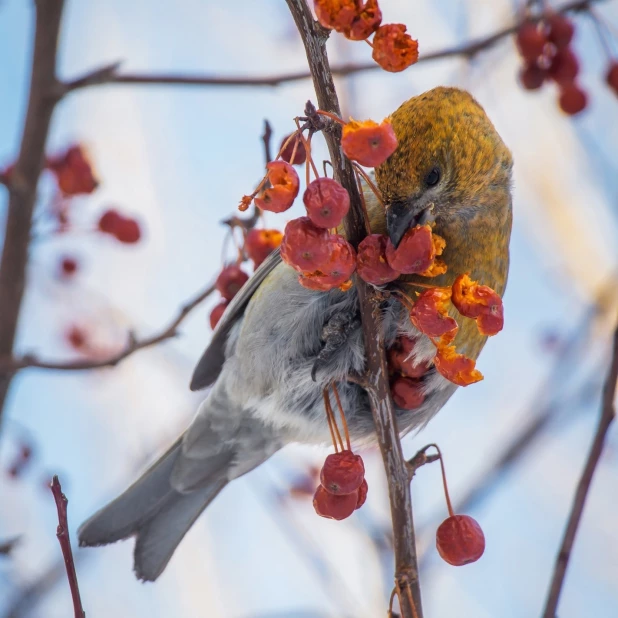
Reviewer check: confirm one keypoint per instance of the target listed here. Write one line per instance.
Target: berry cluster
(545, 47)
(393, 48)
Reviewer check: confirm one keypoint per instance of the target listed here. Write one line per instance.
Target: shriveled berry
(336, 14)
(334, 506)
(415, 252)
(401, 359)
(456, 368)
(561, 30)
(217, 312)
(342, 473)
(532, 76)
(300, 156)
(259, 244)
(334, 272)
(362, 494)
(429, 313)
(230, 280)
(366, 21)
(371, 263)
(327, 202)
(612, 76)
(393, 48)
(368, 142)
(285, 185)
(572, 99)
(564, 66)
(68, 266)
(478, 302)
(304, 246)
(460, 540)
(407, 393)
(531, 41)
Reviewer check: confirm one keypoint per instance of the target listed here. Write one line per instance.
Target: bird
(265, 365)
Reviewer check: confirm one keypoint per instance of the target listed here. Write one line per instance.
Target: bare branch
(133, 345)
(65, 544)
(406, 572)
(109, 74)
(608, 413)
(24, 178)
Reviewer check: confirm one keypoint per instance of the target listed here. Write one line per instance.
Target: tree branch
(109, 74)
(608, 413)
(406, 572)
(24, 178)
(133, 345)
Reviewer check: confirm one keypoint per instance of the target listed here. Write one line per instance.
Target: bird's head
(450, 167)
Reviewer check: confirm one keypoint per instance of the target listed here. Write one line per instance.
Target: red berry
(304, 246)
(334, 507)
(327, 202)
(73, 172)
(217, 312)
(407, 393)
(401, 359)
(564, 66)
(336, 270)
(531, 41)
(285, 185)
(259, 244)
(460, 540)
(109, 221)
(561, 30)
(68, 266)
(414, 254)
(76, 337)
(612, 76)
(371, 262)
(127, 231)
(286, 154)
(532, 76)
(342, 473)
(230, 280)
(572, 99)
(362, 494)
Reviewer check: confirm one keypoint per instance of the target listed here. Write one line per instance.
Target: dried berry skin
(371, 263)
(572, 99)
(456, 368)
(407, 393)
(336, 270)
(259, 244)
(362, 494)
(460, 540)
(286, 154)
(368, 142)
(531, 41)
(285, 186)
(230, 280)
(415, 252)
(561, 30)
(564, 66)
(342, 473)
(304, 246)
(327, 202)
(217, 312)
(334, 507)
(393, 48)
(365, 23)
(401, 359)
(612, 76)
(478, 302)
(429, 314)
(532, 76)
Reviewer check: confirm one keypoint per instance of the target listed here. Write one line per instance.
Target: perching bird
(450, 166)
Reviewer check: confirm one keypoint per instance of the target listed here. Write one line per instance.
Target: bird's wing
(209, 366)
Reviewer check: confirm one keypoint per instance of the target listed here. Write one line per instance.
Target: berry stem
(332, 423)
(292, 136)
(449, 506)
(307, 144)
(359, 170)
(331, 116)
(343, 419)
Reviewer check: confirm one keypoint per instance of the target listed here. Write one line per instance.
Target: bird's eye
(433, 177)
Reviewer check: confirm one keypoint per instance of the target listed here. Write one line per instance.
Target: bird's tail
(152, 510)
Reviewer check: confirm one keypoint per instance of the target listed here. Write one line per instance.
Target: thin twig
(65, 544)
(406, 572)
(109, 74)
(608, 413)
(133, 346)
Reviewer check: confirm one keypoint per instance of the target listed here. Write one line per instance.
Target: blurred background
(176, 160)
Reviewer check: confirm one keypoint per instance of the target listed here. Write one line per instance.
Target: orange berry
(415, 252)
(460, 540)
(478, 302)
(371, 263)
(368, 142)
(304, 246)
(365, 23)
(336, 14)
(336, 270)
(327, 202)
(429, 313)
(259, 244)
(285, 185)
(393, 49)
(456, 368)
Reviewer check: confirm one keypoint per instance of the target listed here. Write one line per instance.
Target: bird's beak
(403, 215)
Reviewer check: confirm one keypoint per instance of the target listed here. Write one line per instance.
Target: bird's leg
(335, 333)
